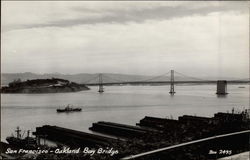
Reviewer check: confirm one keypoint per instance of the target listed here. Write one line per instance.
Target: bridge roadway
(183, 144)
(160, 82)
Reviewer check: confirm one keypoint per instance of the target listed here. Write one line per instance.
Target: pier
(158, 123)
(72, 137)
(122, 130)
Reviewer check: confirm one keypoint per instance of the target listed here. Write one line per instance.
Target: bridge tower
(101, 89)
(172, 92)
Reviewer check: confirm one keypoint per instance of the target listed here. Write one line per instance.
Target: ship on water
(69, 109)
(18, 141)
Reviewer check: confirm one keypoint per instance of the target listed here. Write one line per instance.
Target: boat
(18, 141)
(69, 109)
(241, 87)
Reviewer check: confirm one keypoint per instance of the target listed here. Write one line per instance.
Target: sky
(199, 38)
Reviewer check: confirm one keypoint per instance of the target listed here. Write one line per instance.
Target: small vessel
(69, 109)
(19, 141)
(241, 87)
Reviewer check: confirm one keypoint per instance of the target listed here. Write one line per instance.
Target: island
(53, 85)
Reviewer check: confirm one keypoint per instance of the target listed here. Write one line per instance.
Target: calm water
(123, 104)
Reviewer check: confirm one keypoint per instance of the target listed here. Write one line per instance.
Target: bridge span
(159, 82)
(169, 76)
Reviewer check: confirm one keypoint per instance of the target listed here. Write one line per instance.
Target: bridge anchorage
(172, 92)
(101, 89)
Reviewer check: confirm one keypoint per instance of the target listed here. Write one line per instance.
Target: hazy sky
(194, 38)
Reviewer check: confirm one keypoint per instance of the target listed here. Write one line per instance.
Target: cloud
(205, 38)
(138, 48)
(137, 12)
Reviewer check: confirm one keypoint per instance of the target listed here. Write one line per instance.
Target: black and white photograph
(125, 80)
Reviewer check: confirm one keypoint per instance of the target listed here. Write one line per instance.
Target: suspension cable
(157, 77)
(189, 76)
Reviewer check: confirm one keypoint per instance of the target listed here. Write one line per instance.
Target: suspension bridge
(170, 78)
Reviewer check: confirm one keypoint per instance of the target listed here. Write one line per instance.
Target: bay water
(121, 104)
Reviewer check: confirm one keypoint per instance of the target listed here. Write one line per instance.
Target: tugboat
(69, 109)
(27, 142)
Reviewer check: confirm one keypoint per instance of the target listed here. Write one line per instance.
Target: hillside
(53, 85)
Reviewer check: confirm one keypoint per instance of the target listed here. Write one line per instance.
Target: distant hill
(78, 78)
(83, 78)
